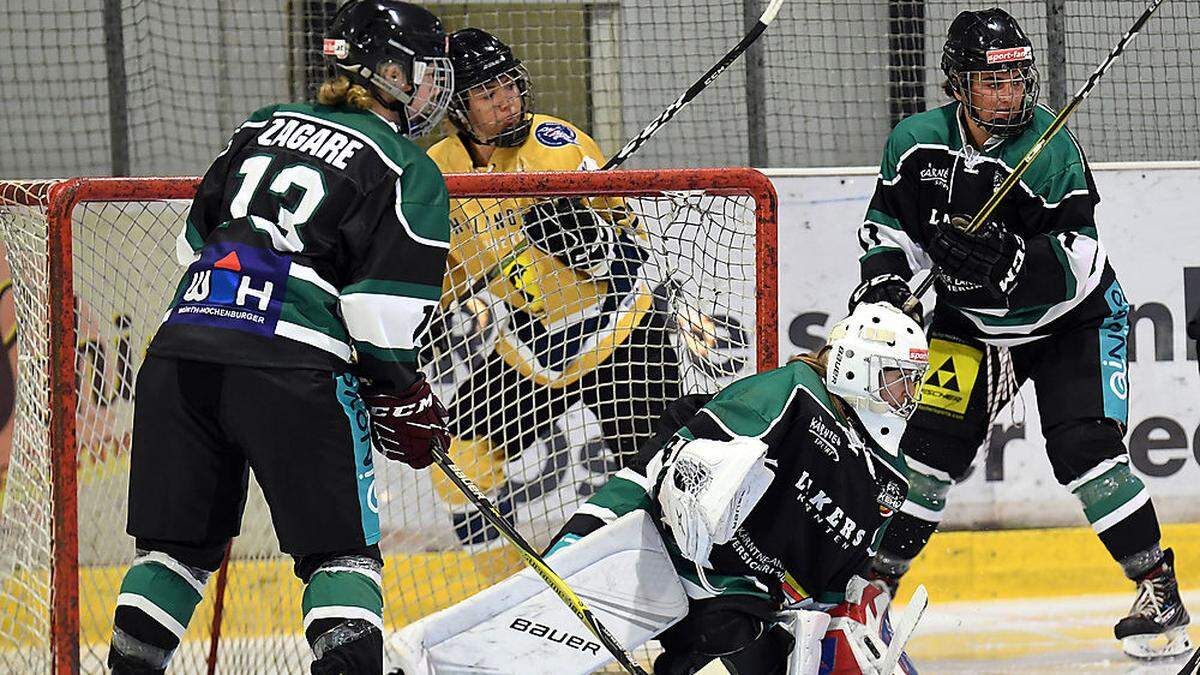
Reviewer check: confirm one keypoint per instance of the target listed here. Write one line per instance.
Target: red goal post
(45, 226)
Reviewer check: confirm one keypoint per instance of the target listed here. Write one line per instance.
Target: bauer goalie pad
(808, 628)
(622, 571)
(861, 639)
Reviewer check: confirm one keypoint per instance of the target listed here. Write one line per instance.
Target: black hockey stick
(1059, 122)
(697, 87)
(531, 557)
(1193, 665)
(634, 144)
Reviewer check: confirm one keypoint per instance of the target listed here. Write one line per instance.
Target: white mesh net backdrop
(698, 251)
(154, 87)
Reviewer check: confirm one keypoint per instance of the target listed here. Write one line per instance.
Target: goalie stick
(529, 554)
(904, 630)
(1059, 122)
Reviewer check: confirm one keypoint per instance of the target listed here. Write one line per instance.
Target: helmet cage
(911, 373)
(515, 128)
(1002, 122)
(421, 85)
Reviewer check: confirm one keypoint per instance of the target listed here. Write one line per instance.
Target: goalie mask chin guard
(396, 50)
(989, 67)
(877, 360)
(487, 72)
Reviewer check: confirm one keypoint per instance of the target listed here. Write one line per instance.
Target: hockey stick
(634, 144)
(904, 630)
(529, 554)
(697, 87)
(1059, 122)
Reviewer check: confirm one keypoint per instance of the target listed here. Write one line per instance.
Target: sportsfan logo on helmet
(1009, 54)
(336, 48)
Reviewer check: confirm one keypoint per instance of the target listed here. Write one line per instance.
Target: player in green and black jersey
(1035, 280)
(315, 250)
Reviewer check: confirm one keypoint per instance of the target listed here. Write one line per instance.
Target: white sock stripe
(600, 512)
(153, 611)
(342, 612)
(928, 470)
(370, 574)
(1097, 471)
(1122, 512)
(173, 565)
(917, 511)
(635, 478)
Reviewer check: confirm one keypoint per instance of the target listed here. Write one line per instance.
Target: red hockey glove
(406, 425)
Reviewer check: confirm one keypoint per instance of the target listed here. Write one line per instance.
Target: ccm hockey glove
(406, 425)
(991, 257)
(889, 288)
(569, 230)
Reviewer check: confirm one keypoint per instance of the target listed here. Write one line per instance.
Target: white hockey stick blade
(904, 630)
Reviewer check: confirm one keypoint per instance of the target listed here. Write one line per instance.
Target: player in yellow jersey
(563, 281)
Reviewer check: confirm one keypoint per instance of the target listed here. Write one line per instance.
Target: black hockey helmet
(481, 61)
(991, 41)
(388, 46)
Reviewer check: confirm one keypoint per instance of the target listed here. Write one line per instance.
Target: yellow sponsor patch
(950, 378)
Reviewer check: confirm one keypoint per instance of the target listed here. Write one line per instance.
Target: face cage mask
(516, 129)
(426, 103)
(911, 374)
(1018, 116)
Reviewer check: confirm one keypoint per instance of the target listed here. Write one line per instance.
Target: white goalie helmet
(877, 360)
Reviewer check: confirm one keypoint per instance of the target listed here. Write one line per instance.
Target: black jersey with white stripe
(319, 236)
(929, 174)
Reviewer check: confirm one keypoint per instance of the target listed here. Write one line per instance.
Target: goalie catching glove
(569, 230)
(406, 425)
(709, 490)
(990, 257)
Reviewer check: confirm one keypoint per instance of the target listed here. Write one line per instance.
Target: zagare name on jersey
(318, 236)
(315, 140)
(929, 173)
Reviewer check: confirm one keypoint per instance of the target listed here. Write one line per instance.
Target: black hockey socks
(343, 616)
(155, 604)
(1119, 509)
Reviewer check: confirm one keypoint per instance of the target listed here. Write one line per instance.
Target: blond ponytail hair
(339, 91)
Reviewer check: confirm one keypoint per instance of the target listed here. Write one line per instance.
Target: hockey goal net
(93, 266)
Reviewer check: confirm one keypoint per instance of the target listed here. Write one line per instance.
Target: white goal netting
(559, 373)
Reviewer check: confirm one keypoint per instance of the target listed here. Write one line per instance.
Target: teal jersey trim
(364, 464)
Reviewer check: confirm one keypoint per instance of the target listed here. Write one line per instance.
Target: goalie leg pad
(860, 631)
(621, 571)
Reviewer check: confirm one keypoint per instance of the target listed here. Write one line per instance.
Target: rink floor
(1047, 635)
(1031, 637)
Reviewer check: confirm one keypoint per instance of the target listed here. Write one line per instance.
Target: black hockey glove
(889, 288)
(406, 425)
(569, 230)
(990, 257)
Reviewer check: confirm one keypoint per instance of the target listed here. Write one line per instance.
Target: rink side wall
(1147, 220)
